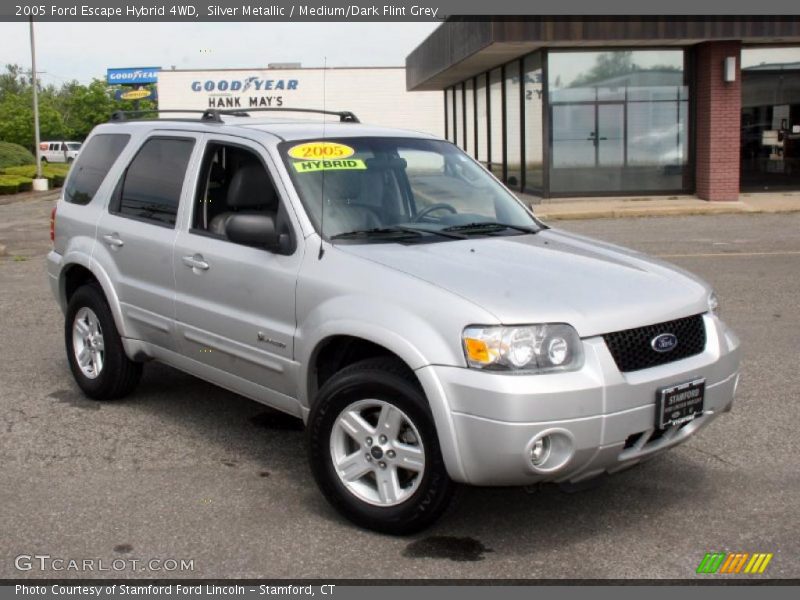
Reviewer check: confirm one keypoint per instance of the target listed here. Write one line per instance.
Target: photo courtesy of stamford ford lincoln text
(450, 298)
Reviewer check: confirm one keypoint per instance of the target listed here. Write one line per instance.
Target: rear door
(135, 236)
(235, 304)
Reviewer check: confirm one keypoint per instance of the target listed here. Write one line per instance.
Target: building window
(618, 120)
(448, 112)
(770, 135)
(469, 116)
(482, 149)
(459, 115)
(513, 126)
(496, 122)
(532, 101)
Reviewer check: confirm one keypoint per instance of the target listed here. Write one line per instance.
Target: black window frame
(114, 205)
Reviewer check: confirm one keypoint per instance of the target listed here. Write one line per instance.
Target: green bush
(55, 174)
(12, 155)
(13, 184)
(29, 171)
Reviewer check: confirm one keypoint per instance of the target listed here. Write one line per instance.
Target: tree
(66, 113)
(606, 66)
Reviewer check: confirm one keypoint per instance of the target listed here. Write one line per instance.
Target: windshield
(386, 188)
(74, 146)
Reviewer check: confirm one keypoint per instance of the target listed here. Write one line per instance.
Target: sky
(83, 51)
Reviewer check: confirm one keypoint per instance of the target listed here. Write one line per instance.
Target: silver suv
(384, 287)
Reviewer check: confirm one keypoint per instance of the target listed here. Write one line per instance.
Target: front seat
(250, 192)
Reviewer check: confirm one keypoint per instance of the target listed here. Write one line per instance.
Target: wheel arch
(80, 271)
(389, 343)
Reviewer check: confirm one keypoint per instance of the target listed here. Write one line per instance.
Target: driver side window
(234, 182)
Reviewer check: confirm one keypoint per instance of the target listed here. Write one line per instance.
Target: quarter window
(92, 166)
(151, 187)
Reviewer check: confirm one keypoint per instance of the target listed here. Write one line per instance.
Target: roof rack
(345, 116)
(122, 115)
(215, 115)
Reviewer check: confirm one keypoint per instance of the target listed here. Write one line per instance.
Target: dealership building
(377, 95)
(571, 106)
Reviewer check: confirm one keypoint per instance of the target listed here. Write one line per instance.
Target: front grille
(632, 351)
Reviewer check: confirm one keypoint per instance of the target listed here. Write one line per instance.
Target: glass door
(588, 146)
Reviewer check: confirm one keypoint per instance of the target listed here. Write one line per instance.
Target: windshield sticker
(310, 166)
(320, 150)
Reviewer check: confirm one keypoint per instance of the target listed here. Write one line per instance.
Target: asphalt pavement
(183, 470)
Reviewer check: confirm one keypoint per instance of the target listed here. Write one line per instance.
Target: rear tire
(94, 349)
(404, 487)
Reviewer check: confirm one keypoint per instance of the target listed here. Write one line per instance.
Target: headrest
(342, 185)
(251, 188)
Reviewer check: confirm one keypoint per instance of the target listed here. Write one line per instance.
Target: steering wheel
(434, 207)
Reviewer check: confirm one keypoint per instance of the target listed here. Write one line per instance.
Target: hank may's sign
(249, 92)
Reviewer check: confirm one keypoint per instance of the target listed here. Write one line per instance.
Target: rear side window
(151, 187)
(92, 166)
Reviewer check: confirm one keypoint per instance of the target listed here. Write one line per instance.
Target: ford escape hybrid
(388, 290)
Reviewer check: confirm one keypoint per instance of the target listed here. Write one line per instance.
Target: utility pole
(34, 81)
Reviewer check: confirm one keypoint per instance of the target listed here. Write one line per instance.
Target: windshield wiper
(442, 232)
(397, 230)
(376, 232)
(480, 226)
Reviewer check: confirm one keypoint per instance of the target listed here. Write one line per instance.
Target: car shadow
(242, 434)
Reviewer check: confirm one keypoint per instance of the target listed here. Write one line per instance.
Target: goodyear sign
(248, 92)
(132, 76)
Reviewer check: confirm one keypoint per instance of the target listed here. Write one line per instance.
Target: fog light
(540, 450)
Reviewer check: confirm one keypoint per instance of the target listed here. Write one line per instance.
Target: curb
(619, 213)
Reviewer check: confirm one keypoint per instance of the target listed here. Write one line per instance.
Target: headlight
(713, 303)
(526, 348)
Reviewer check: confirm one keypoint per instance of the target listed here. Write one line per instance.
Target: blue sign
(132, 76)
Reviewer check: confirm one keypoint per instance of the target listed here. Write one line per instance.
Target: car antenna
(322, 185)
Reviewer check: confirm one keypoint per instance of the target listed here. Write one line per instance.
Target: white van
(59, 152)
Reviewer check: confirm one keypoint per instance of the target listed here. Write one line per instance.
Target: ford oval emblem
(664, 342)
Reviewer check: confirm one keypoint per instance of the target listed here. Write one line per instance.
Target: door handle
(195, 262)
(112, 239)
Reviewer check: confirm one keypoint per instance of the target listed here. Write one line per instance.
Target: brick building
(566, 106)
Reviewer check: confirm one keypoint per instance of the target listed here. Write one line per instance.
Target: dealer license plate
(679, 403)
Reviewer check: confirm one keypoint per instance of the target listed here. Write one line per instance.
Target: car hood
(552, 276)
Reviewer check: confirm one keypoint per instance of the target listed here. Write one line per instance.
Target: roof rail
(122, 115)
(345, 116)
(215, 115)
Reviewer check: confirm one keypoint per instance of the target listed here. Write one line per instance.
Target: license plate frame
(680, 403)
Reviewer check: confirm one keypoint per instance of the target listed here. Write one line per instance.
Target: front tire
(94, 349)
(374, 451)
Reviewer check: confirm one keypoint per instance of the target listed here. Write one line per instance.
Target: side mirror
(252, 230)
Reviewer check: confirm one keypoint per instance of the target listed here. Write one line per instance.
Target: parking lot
(186, 470)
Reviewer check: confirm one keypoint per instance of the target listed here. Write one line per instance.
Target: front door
(235, 304)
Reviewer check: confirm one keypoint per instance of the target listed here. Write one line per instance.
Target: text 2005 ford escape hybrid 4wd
(385, 288)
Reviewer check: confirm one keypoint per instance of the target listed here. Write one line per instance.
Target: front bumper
(599, 419)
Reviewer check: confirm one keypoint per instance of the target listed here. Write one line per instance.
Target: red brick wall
(718, 122)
